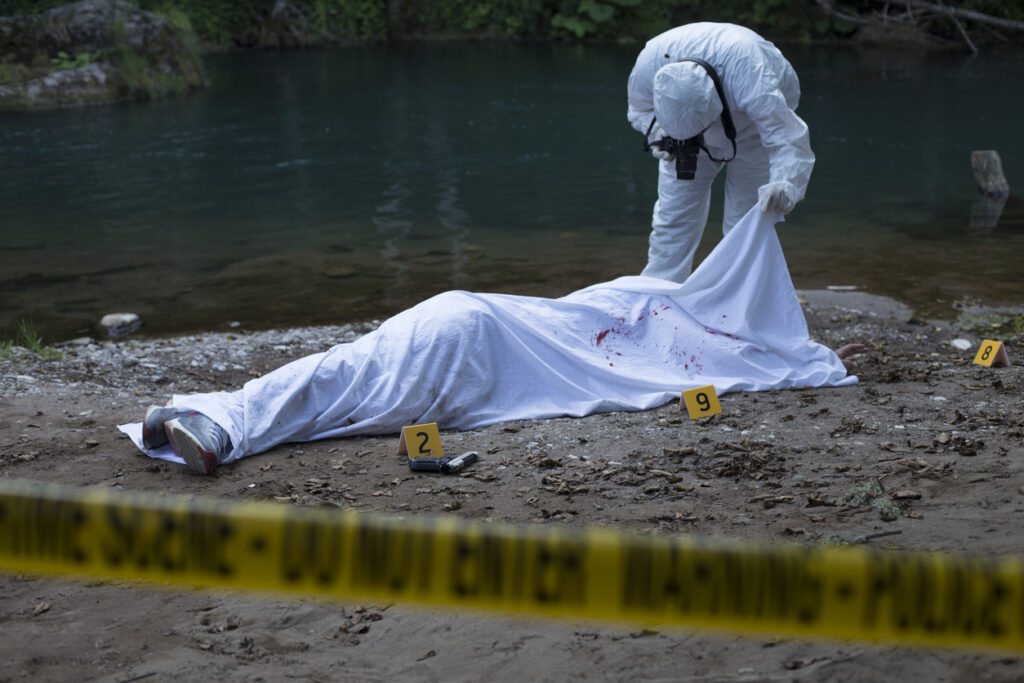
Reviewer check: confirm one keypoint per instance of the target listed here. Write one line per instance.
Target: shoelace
(210, 433)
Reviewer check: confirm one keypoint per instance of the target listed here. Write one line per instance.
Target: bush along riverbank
(100, 51)
(94, 52)
(222, 24)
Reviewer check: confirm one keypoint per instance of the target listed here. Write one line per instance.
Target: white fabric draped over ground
(466, 360)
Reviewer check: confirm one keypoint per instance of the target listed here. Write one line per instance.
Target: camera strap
(647, 145)
(727, 123)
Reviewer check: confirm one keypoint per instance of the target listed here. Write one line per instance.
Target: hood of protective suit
(685, 100)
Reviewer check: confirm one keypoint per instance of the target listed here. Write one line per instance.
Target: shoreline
(927, 448)
(971, 314)
(230, 357)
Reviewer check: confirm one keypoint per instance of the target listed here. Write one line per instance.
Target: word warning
(844, 592)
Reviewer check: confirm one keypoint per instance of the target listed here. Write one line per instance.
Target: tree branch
(960, 27)
(828, 8)
(963, 14)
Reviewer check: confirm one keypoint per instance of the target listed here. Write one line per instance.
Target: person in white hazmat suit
(673, 97)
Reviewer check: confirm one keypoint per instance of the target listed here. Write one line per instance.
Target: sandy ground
(940, 437)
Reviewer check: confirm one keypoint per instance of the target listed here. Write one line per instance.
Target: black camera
(684, 152)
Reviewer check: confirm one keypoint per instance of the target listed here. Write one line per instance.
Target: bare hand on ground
(845, 354)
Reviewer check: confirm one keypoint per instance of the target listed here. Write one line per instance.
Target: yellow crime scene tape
(844, 592)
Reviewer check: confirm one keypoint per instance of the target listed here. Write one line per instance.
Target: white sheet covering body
(467, 360)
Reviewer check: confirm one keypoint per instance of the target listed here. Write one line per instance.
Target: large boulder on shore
(93, 52)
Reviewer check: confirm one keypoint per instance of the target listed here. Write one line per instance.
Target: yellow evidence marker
(701, 402)
(992, 353)
(425, 441)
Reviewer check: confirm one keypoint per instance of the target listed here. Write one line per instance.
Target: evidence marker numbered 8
(991, 353)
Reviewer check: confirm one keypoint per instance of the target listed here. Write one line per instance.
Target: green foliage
(183, 27)
(320, 14)
(360, 20)
(141, 77)
(10, 8)
(225, 23)
(13, 72)
(27, 339)
(498, 18)
(594, 17)
(774, 18)
(141, 80)
(63, 61)
(214, 22)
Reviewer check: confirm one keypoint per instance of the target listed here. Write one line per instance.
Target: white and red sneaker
(198, 440)
(153, 434)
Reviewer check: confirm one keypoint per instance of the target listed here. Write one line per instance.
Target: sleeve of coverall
(640, 90)
(783, 133)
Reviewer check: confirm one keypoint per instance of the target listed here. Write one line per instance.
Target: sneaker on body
(198, 440)
(153, 434)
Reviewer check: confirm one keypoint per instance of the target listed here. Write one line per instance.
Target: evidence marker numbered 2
(421, 441)
(423, 445)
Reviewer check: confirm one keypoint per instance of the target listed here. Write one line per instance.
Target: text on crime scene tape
(846, 592)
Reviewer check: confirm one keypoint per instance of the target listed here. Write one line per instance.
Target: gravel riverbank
(933, 442)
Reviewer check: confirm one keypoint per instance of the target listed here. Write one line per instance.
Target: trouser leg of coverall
(678, 221)
(743, 175)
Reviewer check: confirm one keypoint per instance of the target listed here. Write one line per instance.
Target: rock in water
(988, 173)
(120, 324)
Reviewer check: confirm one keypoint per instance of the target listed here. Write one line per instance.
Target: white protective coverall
(465, 360)
(773, 154)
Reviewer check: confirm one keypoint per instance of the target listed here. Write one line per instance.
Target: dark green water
(326, 186)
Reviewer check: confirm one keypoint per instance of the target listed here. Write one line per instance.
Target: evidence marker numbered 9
(701, 402)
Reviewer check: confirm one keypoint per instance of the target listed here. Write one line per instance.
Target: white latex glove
(778, 197)
(657, 134)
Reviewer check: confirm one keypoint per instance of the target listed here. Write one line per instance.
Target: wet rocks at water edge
(120, 324)
(131, 367)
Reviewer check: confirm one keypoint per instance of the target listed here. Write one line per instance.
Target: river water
(337, 185)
